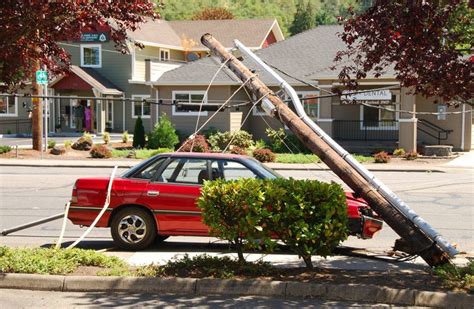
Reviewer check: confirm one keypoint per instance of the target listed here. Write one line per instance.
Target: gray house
(122, 81)
(385, 116)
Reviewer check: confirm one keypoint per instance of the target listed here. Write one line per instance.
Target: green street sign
(42, 77)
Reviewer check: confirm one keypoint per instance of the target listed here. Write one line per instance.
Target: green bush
(125, 137)
(264, 155)
(163, 134)
(234, 210)
(238, 151)
(280, 142)
(310, 217)
(67, 144)
(52, 261)
(139, 134)
(457, 276)
(101, 152)
(399, 152)
(210, 132)
(5, 149)
(223, 140)
(198, 144)
(106, 137)
(51, 143)
(381, 157)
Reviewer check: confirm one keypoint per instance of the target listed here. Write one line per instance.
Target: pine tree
(304, 18)
(139, 134)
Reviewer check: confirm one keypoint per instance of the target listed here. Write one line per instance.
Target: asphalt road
(31, 193)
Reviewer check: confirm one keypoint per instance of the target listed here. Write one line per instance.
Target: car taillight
(370, 226)
(74, 194)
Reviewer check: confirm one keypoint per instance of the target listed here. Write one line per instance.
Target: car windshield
(264, 170)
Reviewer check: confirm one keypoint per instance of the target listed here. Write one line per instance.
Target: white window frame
(82, 55)
(189, 113)
(109, 108)
(397, 115)
(8, 114)
(72, 103)
(316, 93)
(140, 97)
(168, 53)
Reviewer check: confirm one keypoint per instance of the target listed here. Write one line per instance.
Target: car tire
(133, 228)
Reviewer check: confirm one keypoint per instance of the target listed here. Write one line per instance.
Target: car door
(173, 194)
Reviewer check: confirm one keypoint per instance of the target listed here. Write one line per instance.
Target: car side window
(185, 171)
(149, 171)
(234, 170)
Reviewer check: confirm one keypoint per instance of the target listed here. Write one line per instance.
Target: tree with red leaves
(30, 30)
(213, 13)
(428, 43)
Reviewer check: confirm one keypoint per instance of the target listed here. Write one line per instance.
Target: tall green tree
(304, 18)
(139, 134)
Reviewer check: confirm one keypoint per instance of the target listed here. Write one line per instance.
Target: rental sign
(367, 97)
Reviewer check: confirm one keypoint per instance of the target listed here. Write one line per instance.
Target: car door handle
(153, 193)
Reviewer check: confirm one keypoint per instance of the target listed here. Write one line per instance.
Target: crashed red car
(157, 198)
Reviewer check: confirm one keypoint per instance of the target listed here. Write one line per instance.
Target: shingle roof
(308, 56)
(157, 31)
(251, 32)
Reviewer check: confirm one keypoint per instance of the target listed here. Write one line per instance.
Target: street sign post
(42, 79)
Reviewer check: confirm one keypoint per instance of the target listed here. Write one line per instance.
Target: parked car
(158, 198)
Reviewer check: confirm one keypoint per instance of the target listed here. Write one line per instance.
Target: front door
(173, 196)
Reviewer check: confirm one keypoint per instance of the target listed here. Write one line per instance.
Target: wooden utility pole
(37, 117)
(426, 248)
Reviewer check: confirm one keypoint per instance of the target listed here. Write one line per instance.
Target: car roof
(212, 155)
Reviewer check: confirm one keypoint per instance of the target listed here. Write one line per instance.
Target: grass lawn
(301, 158)
(139, 153)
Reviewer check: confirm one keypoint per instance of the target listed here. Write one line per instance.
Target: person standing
(87, 115)
(79, 116)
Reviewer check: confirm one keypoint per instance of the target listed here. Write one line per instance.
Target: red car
(157, 198)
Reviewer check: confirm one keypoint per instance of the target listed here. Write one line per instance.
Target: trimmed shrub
(198, 144)
(83, 143)
(125, 137)
(101, 152)
(210, 132)
(5, 149)
(264, 155)
(163, 134)
(412, 155)
(309, 216)
(51, 143)
(106, 137)
(238, 151)
(399, 152)
(381, 157)
(139, 134)
(280, 142)
(234, 211)
(223, 140)
(67, 144)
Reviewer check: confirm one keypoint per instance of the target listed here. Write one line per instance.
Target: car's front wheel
(133, 228)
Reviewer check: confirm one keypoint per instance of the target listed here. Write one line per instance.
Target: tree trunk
(307, 261)
(427, 249)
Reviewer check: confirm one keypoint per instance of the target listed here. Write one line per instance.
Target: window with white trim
(8, 106)
(139, 107)
(310, 104)
(91, 55)
(188, 97)
(164, 54)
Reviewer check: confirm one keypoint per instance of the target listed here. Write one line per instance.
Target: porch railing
(360, 130)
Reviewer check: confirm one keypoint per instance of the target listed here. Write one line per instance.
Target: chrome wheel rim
(132, 229)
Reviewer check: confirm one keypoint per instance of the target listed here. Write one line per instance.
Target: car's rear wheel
(133, 228)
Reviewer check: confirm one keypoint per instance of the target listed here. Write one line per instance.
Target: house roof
(308, 56)
(93, 78)
(252, 32)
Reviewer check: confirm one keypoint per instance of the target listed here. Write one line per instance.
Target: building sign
(41, 77)
(370, 97)
(94, 37)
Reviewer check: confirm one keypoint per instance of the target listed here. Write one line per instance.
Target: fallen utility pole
(426, 248)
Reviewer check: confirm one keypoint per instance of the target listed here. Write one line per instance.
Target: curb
(45, 163)
(281, 289)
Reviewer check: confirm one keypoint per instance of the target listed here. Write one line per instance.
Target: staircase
(432, 130)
